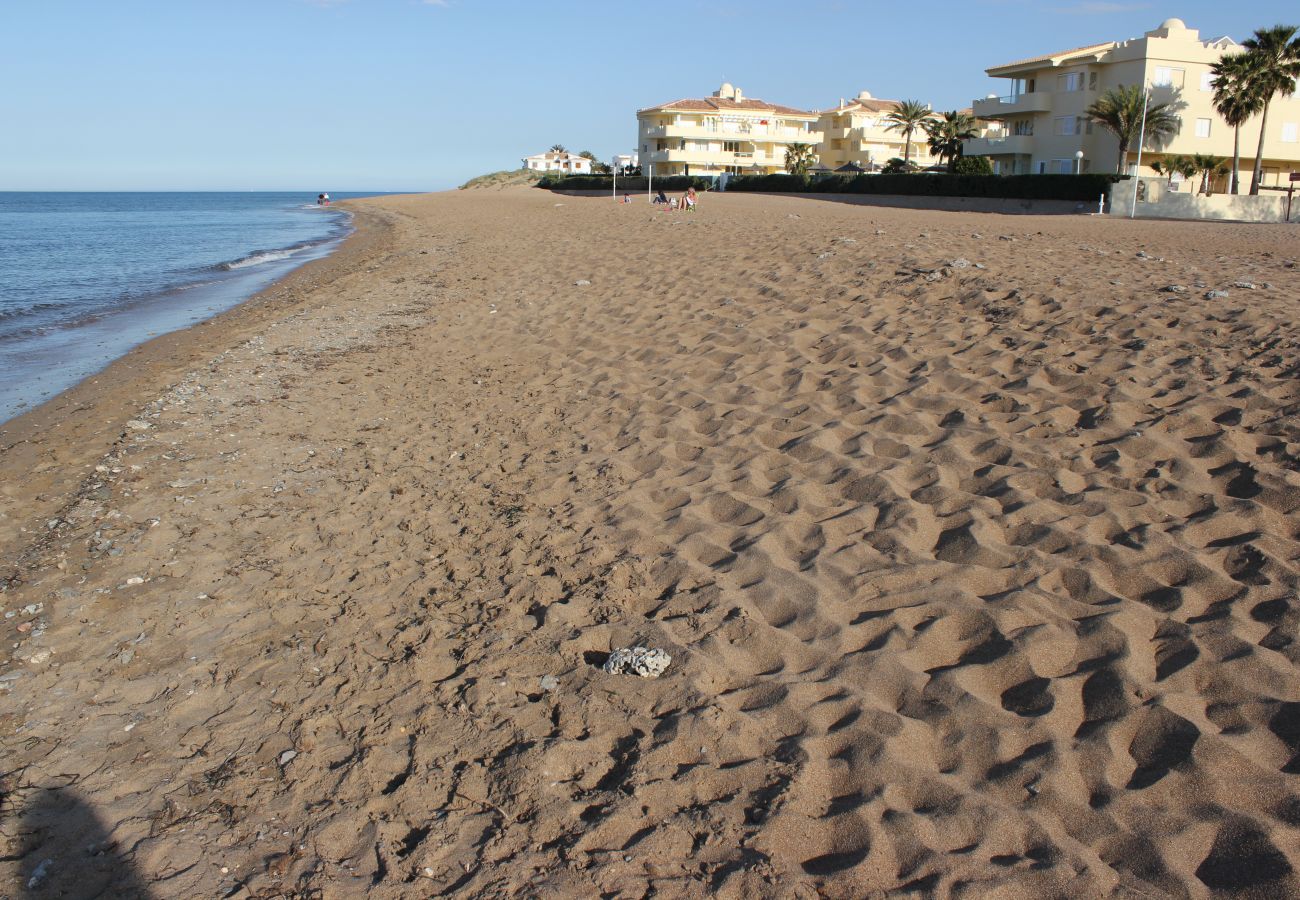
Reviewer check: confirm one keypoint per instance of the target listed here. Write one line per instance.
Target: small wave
(260, 257)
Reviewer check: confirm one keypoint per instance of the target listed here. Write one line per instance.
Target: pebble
(137, 425)
(1244, 285)
(582, 282)
(135, 579)
(40, 874)
(1174, 289)
(550, 683)
(960, 263)
(287, 757)
(1215, 295)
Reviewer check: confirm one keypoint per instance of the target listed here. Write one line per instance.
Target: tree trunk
(1233, 186)
(907, 148)
(1123, 157)
(1257, 176)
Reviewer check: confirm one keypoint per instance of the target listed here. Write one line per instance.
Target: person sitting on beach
(688, 201)
(661, 197)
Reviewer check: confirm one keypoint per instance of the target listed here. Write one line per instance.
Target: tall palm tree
(1237, 101)
(558, 148)
(799, 158)
(1275, 65)
(908, 117)
(1119, 111)
(947, 134)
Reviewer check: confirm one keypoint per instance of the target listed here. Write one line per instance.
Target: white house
(627, 161)
(553, 161)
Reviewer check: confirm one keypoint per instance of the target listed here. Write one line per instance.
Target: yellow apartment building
(727, 132)
(1040, 126)
(855, 132)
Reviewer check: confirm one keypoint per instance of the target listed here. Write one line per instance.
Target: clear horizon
(312, 95)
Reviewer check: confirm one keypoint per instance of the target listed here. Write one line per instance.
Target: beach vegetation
(898, 166)
(1272, 70)
(1237, 101)
(799, 158)
(908, 118)
(948, 133)
(1175, 164)
(504, 178)
(1119, 111)
(972, 165)
(1209, 167)
(1077, 188)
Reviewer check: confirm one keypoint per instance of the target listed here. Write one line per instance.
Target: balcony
(1001, 107)
(999, 146)
(704, 157)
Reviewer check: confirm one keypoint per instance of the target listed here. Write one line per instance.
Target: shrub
(972, 165)
(1009, 187)
(630, 184)
(898, 166)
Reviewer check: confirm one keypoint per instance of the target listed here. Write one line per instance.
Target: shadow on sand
(54, 845)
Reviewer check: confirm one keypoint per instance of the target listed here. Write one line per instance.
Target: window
(1065, 125)
(1092, 81)
(1063, 166)
(1087, 126)
(1024, 127)
(1203, 128)
(1167, 76)
(731, 146)
(1207, 81)
(1289, 132)
(1070, 81)
(1042, 167)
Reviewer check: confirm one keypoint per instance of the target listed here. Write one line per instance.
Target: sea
(85, 277)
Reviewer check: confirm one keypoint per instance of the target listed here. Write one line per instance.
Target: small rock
(643, 661)
(550, 683)
(287, 757)
(40, 656)
(960, 263)
(1215, 295)
(135, 579)
(582, 282)
(826, 255)
(1244, 285)
(1142, 254)
(1174, 289)
(40, 874)
(137, 425)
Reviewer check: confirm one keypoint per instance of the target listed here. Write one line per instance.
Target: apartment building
(856, 132)
(727, 132)
(1040, 126)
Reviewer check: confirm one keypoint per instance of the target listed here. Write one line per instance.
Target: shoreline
(91, 415)
(944, 520)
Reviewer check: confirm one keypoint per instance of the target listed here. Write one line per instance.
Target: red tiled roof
(722, 104)
(1091, 48)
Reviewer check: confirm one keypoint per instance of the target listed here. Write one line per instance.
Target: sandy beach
(972, 537)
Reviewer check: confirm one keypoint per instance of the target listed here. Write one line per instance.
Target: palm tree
(1235, 100)
(948, 133)
(907, 117)
(1119, 111)
(1274, 67)
(1209, 167)
(558, 148)
(799, 158)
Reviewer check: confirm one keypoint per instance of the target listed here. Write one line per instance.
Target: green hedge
(630, 183)
(1010, 187)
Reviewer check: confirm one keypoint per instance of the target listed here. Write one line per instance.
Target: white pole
(650, 183)
(614, 183)
(1142, 136)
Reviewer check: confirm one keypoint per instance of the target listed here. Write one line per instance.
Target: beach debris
(40, 873)
(549, 683)
(1174, 289)
(1215, 295)
(1006, 237)
(138, 425)
(845, 240)
(287, 757)
(1244, 285)
(976, 235)
(643, 661)
(827, 255)
(960, 263)
(1142, 254)
(582, 282)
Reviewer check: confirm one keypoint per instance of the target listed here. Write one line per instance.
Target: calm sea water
(84, 277)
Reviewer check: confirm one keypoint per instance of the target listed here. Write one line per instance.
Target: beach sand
(975, 550)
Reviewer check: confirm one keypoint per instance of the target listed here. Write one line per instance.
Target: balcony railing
(999, 146)
(996, 107)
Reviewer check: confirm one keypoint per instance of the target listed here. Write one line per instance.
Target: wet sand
(974, 547)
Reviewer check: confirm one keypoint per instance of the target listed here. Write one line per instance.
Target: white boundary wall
(1156, 201)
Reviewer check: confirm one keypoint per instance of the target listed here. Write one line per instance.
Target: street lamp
(1078, 162)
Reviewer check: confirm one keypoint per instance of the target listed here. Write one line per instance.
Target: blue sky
(422, 94)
